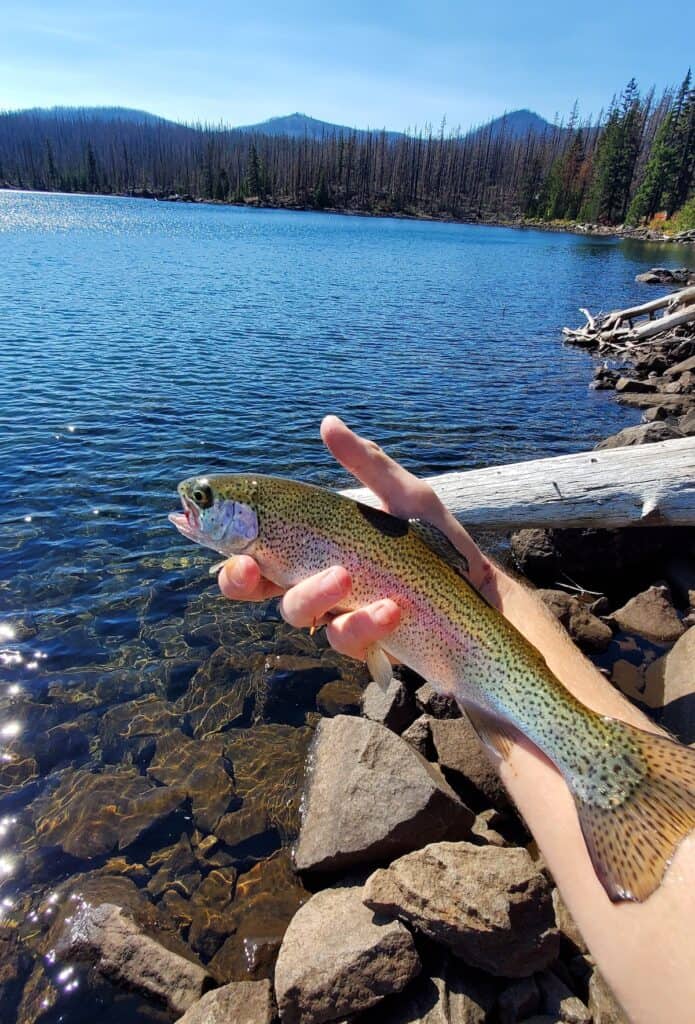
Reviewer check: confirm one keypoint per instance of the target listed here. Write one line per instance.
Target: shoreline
(619, 231)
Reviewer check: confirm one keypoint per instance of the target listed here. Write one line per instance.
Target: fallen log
(619, 326)
(644, 485)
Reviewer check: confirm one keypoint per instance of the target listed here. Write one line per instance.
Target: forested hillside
(636, 160)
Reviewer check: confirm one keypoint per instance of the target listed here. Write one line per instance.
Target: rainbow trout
(634, 791)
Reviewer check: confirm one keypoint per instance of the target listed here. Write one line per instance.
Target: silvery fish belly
(634, 791)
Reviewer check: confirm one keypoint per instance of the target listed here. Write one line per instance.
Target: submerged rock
(243, 1002)
(217, 694)
(90, 813)
(490, 906)
(197, 768)
(129, 730)
(267, 898)
(369, 797)
(336, 959)
(119, 949)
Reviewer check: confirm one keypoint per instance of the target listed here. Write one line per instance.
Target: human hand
(311, 601)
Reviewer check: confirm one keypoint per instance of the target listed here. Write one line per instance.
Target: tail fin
(632, 842)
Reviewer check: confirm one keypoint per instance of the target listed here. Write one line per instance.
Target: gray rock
(686, 423)
(105, 936)
(459, 750)
(603, 1005)
(560, 1002)
(631, 384)
(652, 615)
(393, 707)
(588, 631)
(670, 684)
(419, 735)
(490, 906)
(242, 1002)
(371, 797)
(446, 992)
(643, 433)
(436, 704)
(336, 959)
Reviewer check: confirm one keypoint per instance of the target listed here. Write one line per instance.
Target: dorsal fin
(438, 542)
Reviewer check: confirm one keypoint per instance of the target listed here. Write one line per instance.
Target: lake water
(143, 342)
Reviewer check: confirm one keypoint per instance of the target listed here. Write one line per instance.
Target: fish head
(216, 514)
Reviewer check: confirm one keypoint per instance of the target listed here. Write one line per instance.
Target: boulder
(446, 992)
(393, 707)
(436, 704)
(631, 384)
(419, 735)
(337, 959)
(643, 433)
(670, 684)
(586, 629)
(105, 936)
(490, 906)
(651, 615)
(461, 753)
(242, 1002)
(371, 797)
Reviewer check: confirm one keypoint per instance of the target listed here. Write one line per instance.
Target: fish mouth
(188, 521)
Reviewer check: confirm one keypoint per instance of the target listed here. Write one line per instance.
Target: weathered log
(645, 485)
(664, 324)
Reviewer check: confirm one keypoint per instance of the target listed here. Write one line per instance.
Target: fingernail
(384, 613)
(234, 573)
(334, 581)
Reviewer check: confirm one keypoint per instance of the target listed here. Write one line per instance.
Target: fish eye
(202, 496)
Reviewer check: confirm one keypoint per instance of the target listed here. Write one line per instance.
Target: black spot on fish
(390, 526)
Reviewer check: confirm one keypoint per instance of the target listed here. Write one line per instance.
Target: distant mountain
(515, 125)
(106, 114)
(296, 126)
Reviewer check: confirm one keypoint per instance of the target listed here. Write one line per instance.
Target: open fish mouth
(188, 521)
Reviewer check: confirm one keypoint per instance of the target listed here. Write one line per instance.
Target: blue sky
(381, 64)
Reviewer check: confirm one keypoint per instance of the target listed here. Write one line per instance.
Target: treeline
(636, 159)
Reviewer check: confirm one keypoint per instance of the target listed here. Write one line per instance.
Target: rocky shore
(207, 877)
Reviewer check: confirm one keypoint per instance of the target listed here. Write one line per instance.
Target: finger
(240, 579)
(307, 602)
(402, 493)
(353, 632)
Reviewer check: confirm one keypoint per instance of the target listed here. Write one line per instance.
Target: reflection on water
(152, 736)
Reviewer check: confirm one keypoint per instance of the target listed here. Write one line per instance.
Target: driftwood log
(644, 485)
(618, 331)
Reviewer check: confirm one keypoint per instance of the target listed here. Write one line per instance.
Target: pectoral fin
(379, 666)
(492, 732)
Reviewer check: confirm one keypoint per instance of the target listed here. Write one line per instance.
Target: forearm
(643, 950)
